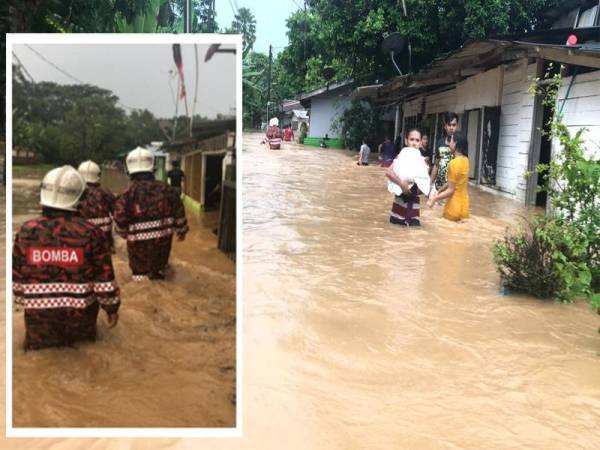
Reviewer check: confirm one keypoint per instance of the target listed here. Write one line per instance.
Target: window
(567, 21)
(587, 18)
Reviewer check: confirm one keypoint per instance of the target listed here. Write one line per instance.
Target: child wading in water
(456, 188)
(411, 178)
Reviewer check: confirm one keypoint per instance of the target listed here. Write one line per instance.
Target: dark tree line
(71, 123)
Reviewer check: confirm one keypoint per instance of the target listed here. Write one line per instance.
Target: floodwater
(359, 334)
(170, 362)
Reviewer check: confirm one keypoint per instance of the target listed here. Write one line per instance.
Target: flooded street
(170, 362)
(359, 334)
(388, 337)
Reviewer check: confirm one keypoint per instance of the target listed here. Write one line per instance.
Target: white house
(325, 105)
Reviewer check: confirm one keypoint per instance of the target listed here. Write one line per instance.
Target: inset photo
(122, 305)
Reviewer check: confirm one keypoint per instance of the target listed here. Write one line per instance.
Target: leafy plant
(303, 132)
(358, 122)
(559, 256)
(548, 259)
(572, 177)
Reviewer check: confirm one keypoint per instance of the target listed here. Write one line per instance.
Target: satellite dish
(393, 42)
(328, 73)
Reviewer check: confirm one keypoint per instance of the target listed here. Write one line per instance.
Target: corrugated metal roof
(326, 89)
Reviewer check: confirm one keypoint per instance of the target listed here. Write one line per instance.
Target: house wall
(582, 109)
(516, 123)
(483, 89)
(441, 102)
(413, 107)
(323, 111)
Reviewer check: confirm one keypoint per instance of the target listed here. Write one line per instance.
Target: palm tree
(244, 23)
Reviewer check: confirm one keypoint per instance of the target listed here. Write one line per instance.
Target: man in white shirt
(363, 156)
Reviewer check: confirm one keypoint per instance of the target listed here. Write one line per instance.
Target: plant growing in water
(559, 255)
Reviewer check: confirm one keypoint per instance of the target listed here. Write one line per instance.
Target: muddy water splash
(170, 362)
(363, 335)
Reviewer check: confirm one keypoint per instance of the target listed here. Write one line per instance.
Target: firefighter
(97, 205)
(147, 215)
(62, 268)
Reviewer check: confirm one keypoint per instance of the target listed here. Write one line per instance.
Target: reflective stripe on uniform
(150, 224)
(106, 286)
(140, 277)
(44, 288)
(150, 235)
(58, 302)
(100, 220)
(109, 300)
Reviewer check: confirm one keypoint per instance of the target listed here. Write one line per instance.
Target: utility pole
(187, 16)
(269, 80)
(305, 21)
(212, 17)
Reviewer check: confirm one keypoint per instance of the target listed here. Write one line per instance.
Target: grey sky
(270, 19)
(139, 73)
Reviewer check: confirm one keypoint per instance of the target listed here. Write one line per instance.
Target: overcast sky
(139, 74)
(270, 18)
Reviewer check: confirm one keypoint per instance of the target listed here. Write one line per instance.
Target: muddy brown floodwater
(359, 334)
(170, 362)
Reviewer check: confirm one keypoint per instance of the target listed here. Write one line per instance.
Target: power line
(54, 65)
(233, 10)
(23, 67)
(67, 74)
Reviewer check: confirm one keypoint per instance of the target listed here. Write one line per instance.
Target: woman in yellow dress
(456, 190)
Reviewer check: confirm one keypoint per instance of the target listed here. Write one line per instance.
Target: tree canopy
(109, 16)
(347, 36)
(71, 123)
(244, 23)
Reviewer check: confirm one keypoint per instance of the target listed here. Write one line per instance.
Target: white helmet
(61, 188)
(140, 160)
(274, 122)
(90, 171)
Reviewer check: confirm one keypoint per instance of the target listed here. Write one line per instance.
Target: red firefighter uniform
(147, 214)
(274, 137)
(97, 206)
(62, 274)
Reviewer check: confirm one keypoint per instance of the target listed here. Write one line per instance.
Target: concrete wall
(516, 122)
(441, 102)
(582, 109)
(323, 111)
(413, 107)
(483, 89)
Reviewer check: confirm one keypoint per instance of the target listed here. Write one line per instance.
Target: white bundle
(409, 165)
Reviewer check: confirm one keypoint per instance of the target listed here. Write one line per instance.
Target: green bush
(303, 133)
(548, 259)
(559, 256)
(360, 121)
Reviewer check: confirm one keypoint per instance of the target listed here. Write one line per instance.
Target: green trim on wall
(191, 204)
(331, 142)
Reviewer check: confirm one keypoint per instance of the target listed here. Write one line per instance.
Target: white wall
(582, 109)
(441, 102)
(516, 122)
(483, 89)
(323, 111)
(413, 107)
